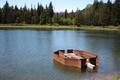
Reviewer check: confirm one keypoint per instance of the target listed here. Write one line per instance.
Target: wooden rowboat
(77, 58)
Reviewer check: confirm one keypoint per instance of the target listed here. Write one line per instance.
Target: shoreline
(57, 27)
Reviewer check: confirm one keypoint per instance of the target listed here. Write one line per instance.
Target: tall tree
(78, 18)
(95, 4)
(5, 12)
(109, 11)
(117, 11)
(11, 15)
(43, 18)
(39, 11)
(50, 12)
(72, 14)
(46, 15)
(66, 13)
(32, 15)
(25, 13)
(17, 14)
(95, 12)
(35, 17)
(88, 15)
(0, 15)
(101, 13)
(20, 19)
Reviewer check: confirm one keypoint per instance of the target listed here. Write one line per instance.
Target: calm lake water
(27, 54)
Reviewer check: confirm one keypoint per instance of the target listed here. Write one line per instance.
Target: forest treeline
(98, 14)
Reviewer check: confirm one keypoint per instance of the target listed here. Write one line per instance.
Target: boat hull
(60, 57)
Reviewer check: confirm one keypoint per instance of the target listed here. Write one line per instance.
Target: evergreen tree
(5, 12)
(72, 14)
(28, 17)
(11, 15)
(109, 11)
(20, 19)
(66, 13)
(95, 4)
(24, 14)
(35, 17)
(99, 13)
(39, 11)
(117, 11)
(78, 18)
(46, 15)
(43, 18)
(95, 12)
(50, 12)
(56, 18)
(32, 15)
(17, 14)
(0, 15)
(88, 15)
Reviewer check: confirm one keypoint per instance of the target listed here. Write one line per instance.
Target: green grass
(58, 27)
(116, 77)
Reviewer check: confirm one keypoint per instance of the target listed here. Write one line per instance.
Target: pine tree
(95, 12)
(95, 4)
(101, 13)
(17, 14)
(66, 13)
(43, 18)
(11, 15)
(117, 11)
(46, 15)
(88, 15)
(35, 17)
(39, 11)
(24, 13)
(20, 19)
(32, 15)
(5, 12)
(72, 14)
(0, 15)
(50, 12)
(109, 11)
(78, 18)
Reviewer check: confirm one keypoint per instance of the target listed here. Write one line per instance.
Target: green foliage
(66, 14)
(51, 12)
(72, 14)
(39, 15)
(99, 14)
(43, 18)
(117, 11)
(78, 18)
(40, 9)
(63, 21)
(5, 12)
(0, 15)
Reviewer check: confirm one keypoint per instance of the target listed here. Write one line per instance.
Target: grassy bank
(58, 27)
(116, 77)
(38, 27)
